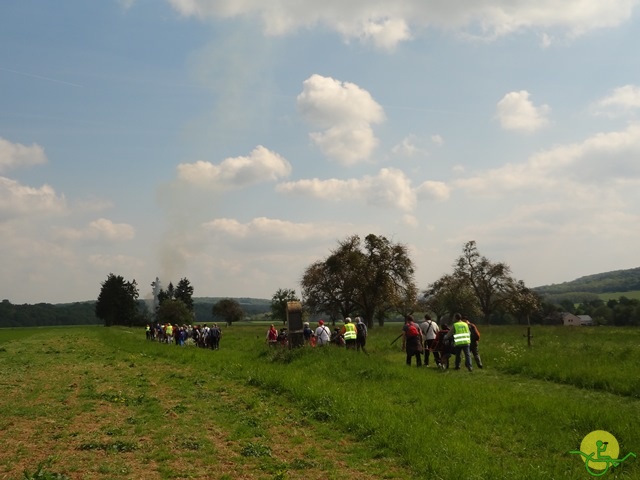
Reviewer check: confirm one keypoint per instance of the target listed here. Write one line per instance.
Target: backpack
(412, 330)
(362, 329)
(475, 333)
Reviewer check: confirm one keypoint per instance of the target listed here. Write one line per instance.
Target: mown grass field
(104, 403)
(633, 295)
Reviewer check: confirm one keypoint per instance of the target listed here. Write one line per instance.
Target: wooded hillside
(614, 281)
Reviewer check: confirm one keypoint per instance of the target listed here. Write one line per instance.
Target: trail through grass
(106, 403)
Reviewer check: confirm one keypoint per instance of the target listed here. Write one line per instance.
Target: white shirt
(322, 335)
(429, 329)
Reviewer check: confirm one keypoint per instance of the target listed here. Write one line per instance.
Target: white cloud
(262, 234)
(100, 229)
(600, 160)
(345, 112)
(408, 148)
(348, 145)
(438, 191)
(260, 166)
(437, 139)
(390, 188)
(385, 24)
(620, 100)
(19, 200)
(262, 228)
(516, 112)
(384, 34)
(14, 155)
(325, 102)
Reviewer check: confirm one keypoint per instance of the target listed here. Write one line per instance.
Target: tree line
(118, 304)
(46, 314)
(372, 278)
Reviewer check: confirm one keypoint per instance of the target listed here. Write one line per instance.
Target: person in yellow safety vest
(461, 341)
(349, 333)
(169, 332)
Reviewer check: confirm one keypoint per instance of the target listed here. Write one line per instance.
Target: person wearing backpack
(307, 333)
(443, 346)
(430, 330)
(412, 341)
(361, 334)
(322, 334)
(475, 338)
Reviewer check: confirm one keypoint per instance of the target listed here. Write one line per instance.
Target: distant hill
(608, 282)
(83, 313)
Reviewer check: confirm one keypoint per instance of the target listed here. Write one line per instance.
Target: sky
(234, 143)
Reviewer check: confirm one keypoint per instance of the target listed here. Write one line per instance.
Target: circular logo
(599, 445)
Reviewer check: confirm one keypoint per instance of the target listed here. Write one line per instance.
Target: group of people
(181, 335)
(352, 335)
(442, 341)
(427, 338)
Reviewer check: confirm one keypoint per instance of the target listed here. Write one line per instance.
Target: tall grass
(517, 418)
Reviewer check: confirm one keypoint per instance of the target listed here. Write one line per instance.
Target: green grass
(246, 410)
(633, 295)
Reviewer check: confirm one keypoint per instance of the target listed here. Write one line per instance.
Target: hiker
(307, 333)
(322, 334)
(443, 346)
(361, 334)
(475, 338)
(272, 336)
(429, 330)
(283, 337)
(461, 341)
(337, 338)
(412, 341)
(348, 332)
(215, 332)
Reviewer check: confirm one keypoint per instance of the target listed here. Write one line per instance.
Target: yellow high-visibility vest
(350, 331)
(461, 334)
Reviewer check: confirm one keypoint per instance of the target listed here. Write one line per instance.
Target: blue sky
(235, 143)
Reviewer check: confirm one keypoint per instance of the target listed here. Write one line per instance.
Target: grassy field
(634, 295)
(104, 403)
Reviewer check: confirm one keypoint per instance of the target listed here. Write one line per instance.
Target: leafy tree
(323, 291)
(450, 294)
(116, 304)
(522, 301)
(479, 286)
(229, 310)
(568, 306)
(184, 293)
(174, 312)
(279, 303)
(491, 282)
(370, 279)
